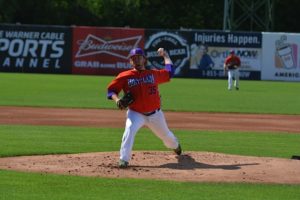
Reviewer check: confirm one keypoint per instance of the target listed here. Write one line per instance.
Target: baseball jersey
(143, 85)
(232, 60)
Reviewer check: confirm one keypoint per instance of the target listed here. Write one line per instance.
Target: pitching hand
(162, 52)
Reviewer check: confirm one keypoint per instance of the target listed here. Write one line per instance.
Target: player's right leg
(134, 122)
(237, 79)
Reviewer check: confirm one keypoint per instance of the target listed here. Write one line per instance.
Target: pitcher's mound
(191, 166)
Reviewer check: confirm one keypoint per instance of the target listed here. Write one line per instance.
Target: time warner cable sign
(39, 49)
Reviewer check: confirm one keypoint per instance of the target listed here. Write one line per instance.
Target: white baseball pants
(156, 122)
(233, 73)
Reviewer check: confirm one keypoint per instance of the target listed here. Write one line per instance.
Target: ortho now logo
(175, 45)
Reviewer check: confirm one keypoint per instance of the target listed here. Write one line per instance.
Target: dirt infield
(191, 166)
(176, 120)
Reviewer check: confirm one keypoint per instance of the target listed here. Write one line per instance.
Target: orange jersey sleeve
(143, 85)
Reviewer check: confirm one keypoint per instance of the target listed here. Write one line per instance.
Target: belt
(151, 113)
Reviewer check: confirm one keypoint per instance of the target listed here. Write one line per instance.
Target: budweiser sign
(93, 45)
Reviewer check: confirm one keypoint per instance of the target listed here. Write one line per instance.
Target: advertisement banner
(281, 58)
(202, 53)
(209, 50)
(104, 51)
(35, 49)
(174, 42)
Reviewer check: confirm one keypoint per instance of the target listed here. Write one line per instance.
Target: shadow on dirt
(186, 162)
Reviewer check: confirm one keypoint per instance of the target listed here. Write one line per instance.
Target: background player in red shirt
(231, 65)
(146, 110)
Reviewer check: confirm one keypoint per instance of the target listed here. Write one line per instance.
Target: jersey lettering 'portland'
(149, 79)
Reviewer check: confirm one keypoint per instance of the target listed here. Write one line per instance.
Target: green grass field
(31, 140)
(16, 185)
(180, 95)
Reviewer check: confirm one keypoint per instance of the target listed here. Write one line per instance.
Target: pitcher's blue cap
(136, 51)
(231, 51)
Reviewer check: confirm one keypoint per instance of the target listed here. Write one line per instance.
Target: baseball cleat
(123, 164)
(178, 150)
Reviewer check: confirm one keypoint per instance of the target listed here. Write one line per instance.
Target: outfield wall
(104, 51)
(35, 49)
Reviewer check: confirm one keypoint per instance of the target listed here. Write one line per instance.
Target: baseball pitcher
(142, 98)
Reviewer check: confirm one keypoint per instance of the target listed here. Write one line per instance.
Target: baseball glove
(125, 101)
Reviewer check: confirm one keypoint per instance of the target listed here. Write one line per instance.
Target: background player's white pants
(233, 73)
(156, 122)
